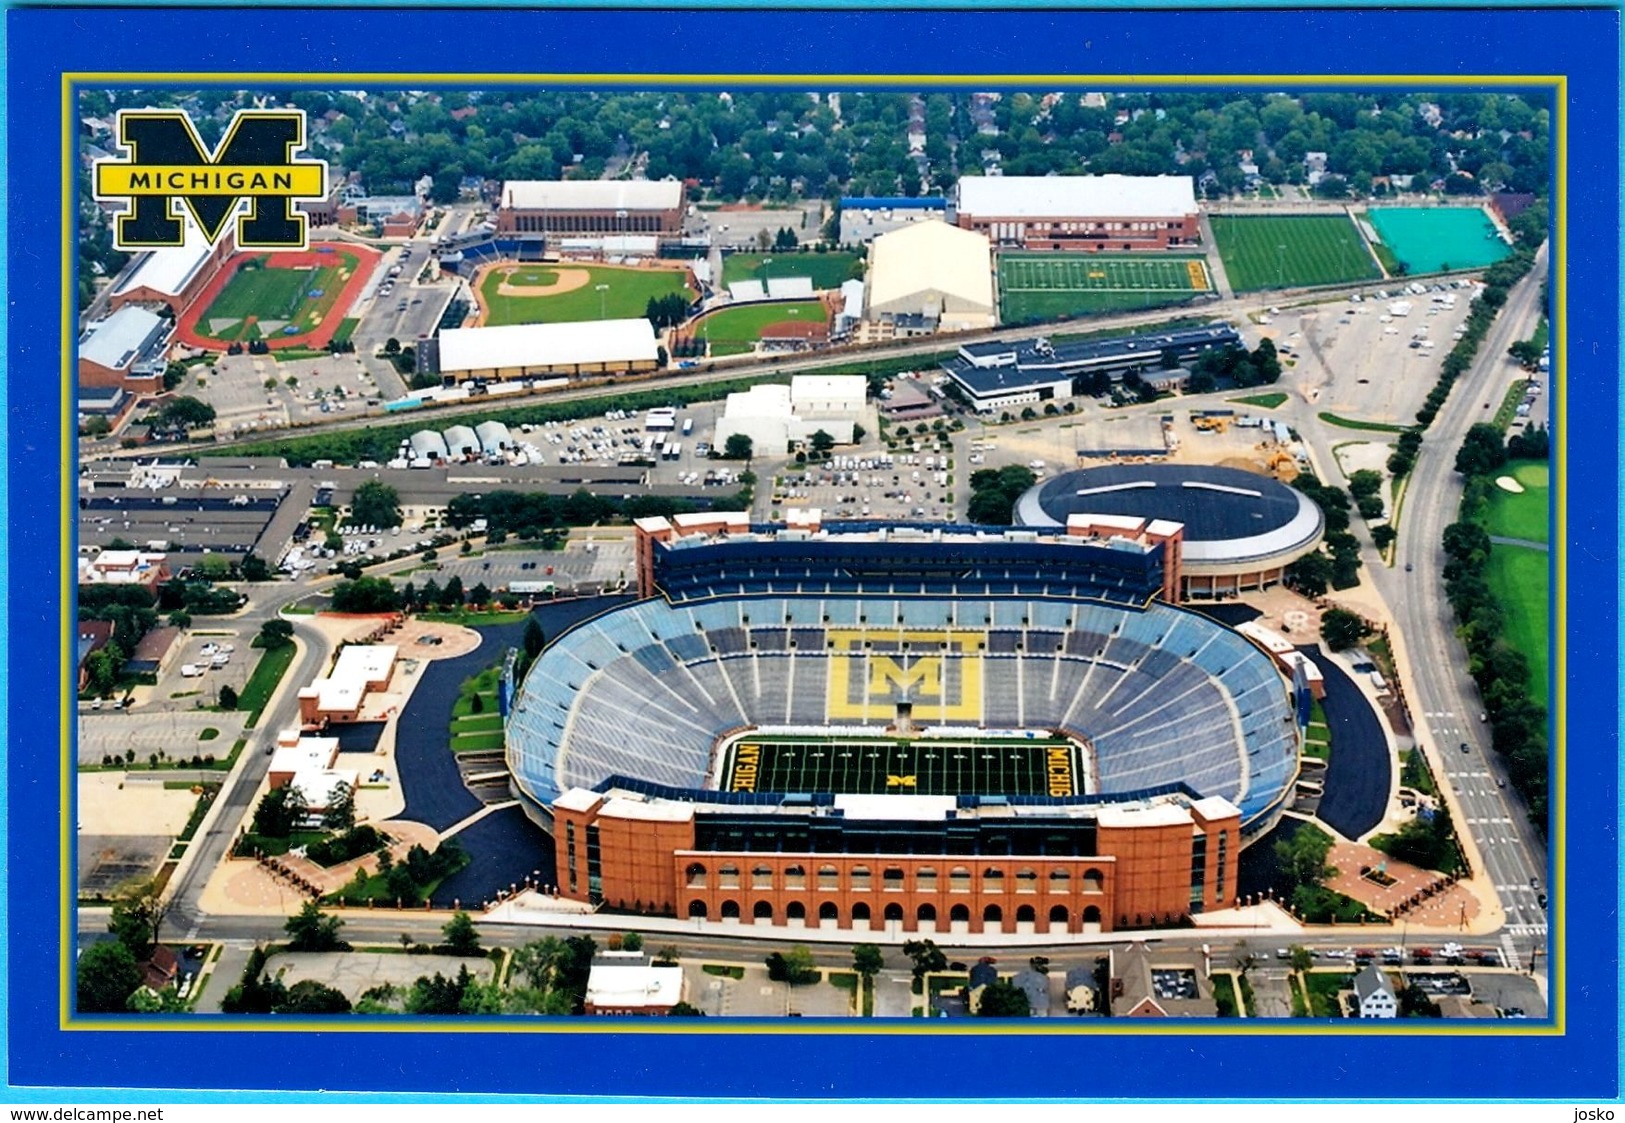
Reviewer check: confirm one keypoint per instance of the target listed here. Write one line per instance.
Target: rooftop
(588, 194)
(168, 271)
(601, 341)
(119, 340)
(1056, 196)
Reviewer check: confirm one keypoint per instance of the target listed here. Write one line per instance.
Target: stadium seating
(1163, 696)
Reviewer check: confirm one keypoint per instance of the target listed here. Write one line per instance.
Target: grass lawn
(1285, 251)
(264, 293)
(276, 846)
(1037, 286)
(477, 742)
(1368, 426)
(1323, 989)
(471, 618)
(626, 298)
(827, 270)
(723, 971)
(734, 331)
(1509, 404)
(262, 683)
(345, 329)
(1522, 516)
(1518, 577)
(1224, 995)
(1262, 401)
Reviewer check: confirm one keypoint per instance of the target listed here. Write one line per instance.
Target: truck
(688, 426)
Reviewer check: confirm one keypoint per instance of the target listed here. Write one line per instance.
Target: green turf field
(734, 331)
(1284, 251)
(281, 296)
(1522, 516)
(923, 766)
(1433, 239)
(1519, 579)
(1049, 286)
(626, 298)
(827, 270)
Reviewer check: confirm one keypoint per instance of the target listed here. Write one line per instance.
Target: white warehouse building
(461, 441)
(521, 351)
(928, 277)
(776, 416)
(494, 437)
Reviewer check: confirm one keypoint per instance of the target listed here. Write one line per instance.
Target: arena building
(1241, 530)
(1093, 212)
(173, 278)
(907, 729)
(928, 277)
(576, 207)
(519, 351)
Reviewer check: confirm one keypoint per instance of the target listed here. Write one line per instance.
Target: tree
(186, 413)
(1531, 444)
(927, 957)
(1302, 958)
(684, 1010)
(228, 697)
(1003, 999)
(280, 810)
(795, 967)
(102, 669)
(1481, 451)
(274, 633)
(340, 813)
(375, 504)
(462, 938)
(365, 595)
(138, 917)
(540, 960)
(1303, 856)
(314, 930)
(632, 941)
(738, 446)
(867, 961)
(821, 442)
(106, 974)
(311, 997)
(1384, 535)
(392, 346)
(1527, 352)
(1311, 574)
(1366, 481)
(1342, 629)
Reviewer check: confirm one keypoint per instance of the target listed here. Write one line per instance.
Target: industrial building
(338, 696)
(643, 739)
(1003, 373)
(174, 277)
(928, 277)
(520, 351)
(775, 416)
(127, 350)
(578, 207)
(1099, 212)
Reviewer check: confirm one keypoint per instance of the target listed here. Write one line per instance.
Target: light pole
(766, 261)
(1280, 266)
(602, 289)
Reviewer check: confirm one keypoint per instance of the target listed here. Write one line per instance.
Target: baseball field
(566, 293)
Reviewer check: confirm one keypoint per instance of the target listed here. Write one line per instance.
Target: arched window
(1091, 915)
(892, 879)
(861, 877)
(1026, 914)
(762, 910)
(829, 910)
(696, 876)
(993, 914)
(925, 879)
(1026, 881)
(728, 877)
(993, 880)
(959, 880)
(959, 913)
(1058, 915)
(829, 877)
(761, 877)
(795, 910)
(926, 913)
(1093, 882)
(860, 911)
(696, 908)
(795, 877)
(730, 910)
(1060, 881)
(894, 911)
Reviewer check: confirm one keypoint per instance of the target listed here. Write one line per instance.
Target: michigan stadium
(904, 729)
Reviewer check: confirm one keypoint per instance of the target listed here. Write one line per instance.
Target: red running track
(366, 260)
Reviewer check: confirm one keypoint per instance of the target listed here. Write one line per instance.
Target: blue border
(1581, 44)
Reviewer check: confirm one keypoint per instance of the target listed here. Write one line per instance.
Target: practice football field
(259, 301)
(919, 766)
(1286, 251)
(1049, 286)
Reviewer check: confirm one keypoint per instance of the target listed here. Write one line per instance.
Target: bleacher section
(1163, 696)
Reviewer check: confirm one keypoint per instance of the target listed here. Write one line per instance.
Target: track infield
(288, 300)
(1050, 286)
(921, 766)
(566, 292)
(1287, 251)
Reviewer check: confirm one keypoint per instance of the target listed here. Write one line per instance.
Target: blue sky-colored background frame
(1579, 44)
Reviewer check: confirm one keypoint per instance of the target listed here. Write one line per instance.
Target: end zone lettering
(253, 164)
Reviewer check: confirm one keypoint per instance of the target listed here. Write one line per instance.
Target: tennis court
(1039, 286)
(918, 766)
(1438, 239)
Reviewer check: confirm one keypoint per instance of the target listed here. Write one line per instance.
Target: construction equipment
(1211, 424)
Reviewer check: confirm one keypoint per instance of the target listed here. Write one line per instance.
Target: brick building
(1100, 213)
(589, 207)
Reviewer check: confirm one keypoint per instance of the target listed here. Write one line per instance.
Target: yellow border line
(1557, 84)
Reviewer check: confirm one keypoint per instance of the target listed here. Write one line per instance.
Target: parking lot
(179, 733)
(587, 561)
(871, 485)
(355, 972)
(216, 660)
(1364, 360)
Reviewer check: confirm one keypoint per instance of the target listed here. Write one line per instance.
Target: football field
(1287, 251)
(1051, 286)
(263, 299)
(1009, 766)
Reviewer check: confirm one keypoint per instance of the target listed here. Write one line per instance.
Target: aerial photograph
(763, 553)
